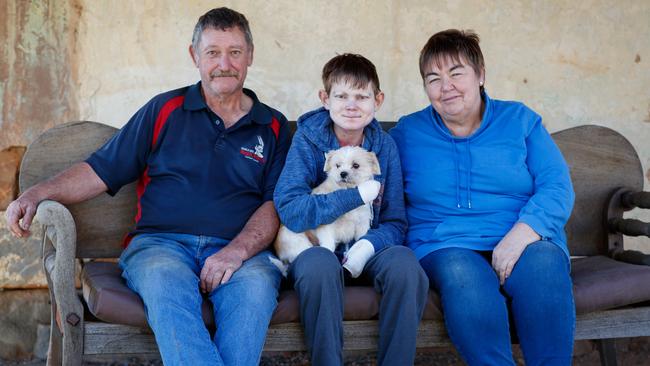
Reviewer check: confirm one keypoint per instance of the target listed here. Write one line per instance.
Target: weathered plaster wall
(37, 67)
(573, 62)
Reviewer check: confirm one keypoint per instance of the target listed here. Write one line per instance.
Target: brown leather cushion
(600, 283)
(110, 300)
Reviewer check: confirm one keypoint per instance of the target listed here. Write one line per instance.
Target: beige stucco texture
(574, 62)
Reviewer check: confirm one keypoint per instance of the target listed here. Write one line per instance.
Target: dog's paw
(283, 267)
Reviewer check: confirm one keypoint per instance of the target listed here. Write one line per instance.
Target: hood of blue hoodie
(316, 125)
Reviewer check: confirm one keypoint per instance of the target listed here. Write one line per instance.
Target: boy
(350, 99)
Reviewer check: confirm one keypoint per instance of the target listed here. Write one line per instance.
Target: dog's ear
(374, 163)
(328, 160)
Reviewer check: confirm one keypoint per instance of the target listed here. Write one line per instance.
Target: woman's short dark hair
(221, 18)
(452, 43)
(353, 69)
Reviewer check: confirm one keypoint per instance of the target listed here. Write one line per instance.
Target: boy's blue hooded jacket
(299, 210)
(469, 191)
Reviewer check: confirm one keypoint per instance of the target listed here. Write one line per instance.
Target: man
(207, 157)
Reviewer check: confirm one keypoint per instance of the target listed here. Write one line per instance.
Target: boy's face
(351, 108)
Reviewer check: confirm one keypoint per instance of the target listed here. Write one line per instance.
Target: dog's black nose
(344, 174)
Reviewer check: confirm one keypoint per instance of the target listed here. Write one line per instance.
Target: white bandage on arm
(357, 257)
(369, 190)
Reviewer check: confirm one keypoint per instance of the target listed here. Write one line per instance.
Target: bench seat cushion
(599, 283)
(110, 300)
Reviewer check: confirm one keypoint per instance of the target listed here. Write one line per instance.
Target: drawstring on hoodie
(469, 174)
(453, 142)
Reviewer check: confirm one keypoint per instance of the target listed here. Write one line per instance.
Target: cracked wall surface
(573, 62)
(38, 67)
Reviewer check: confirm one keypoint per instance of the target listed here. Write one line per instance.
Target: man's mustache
(223, 74)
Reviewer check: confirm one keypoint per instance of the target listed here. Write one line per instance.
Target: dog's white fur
(346, 167)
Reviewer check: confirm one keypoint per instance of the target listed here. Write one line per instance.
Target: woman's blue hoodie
(299, 210)
(468, 192)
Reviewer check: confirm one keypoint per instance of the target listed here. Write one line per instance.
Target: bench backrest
(600, 159)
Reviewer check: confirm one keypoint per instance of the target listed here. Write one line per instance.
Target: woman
(487, 196)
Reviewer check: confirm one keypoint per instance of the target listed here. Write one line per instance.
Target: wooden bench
(611, 295)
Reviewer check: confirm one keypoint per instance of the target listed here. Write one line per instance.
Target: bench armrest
(622, 200)
(59, 259)
(636, 199)
(630, 227)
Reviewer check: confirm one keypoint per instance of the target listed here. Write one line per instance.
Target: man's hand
(20, 214)
(507, 252)
(357, 257)
(75, 184)
(258, 232)
(218, 268)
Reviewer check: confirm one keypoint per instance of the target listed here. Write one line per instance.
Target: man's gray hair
(221, 18)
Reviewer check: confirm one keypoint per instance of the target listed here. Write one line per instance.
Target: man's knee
(159, 277)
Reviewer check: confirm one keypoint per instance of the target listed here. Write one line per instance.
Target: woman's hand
(507, 252)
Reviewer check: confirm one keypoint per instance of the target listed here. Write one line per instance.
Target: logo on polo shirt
(256, 153)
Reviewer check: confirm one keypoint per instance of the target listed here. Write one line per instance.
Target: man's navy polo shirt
(195, 176)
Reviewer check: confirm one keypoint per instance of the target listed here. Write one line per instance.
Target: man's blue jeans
(164, 270)
(538, 294)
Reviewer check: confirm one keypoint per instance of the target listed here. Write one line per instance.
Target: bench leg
(607, 351)
(54, 356)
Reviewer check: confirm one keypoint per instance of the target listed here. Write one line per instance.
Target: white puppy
(347, 167)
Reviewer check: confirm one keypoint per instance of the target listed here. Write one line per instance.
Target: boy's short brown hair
(350, 68)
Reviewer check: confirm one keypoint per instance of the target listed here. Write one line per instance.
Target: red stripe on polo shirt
(142, 185)
(144, 180)
(164, 113)
(275, 126)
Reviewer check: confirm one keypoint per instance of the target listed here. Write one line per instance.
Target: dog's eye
(355, 166)
(338, 165)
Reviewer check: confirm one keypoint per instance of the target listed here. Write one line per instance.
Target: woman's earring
(480, 83)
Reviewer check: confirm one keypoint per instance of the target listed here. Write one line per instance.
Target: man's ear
(194, 56)
(324, 98)
(250, 55)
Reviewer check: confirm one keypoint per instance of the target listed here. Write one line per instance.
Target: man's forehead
(226, 37)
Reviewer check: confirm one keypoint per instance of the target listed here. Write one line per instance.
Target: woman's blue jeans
(164, 270)
(538, 294)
